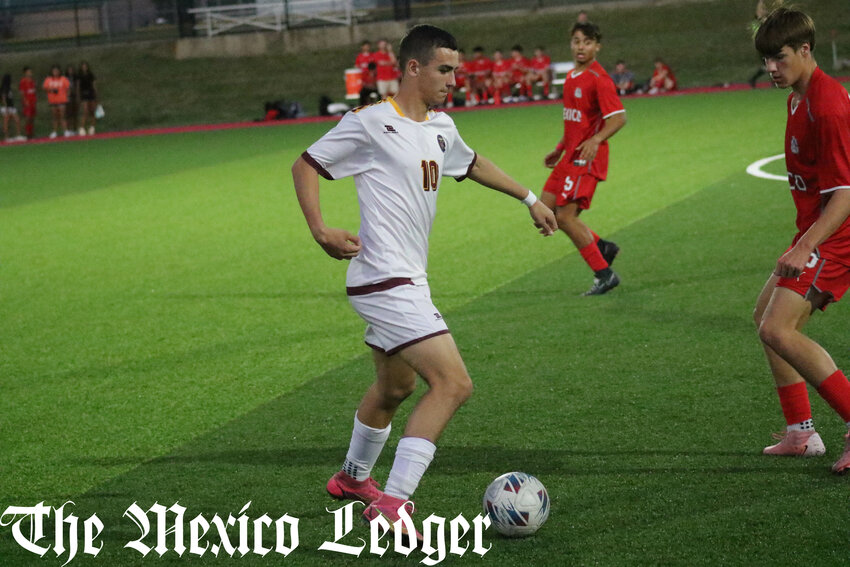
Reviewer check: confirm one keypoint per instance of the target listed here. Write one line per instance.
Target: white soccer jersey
(397, 164)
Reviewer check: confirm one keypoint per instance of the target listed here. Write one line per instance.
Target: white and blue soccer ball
(517, 504)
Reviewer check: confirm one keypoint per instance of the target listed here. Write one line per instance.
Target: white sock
(807, 425)
(364, 449)
(412, 458)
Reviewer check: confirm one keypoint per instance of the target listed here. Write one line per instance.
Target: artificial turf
(171, 333)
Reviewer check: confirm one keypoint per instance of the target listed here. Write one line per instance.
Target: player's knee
(771, 335)
(457, 387)
(394, 394)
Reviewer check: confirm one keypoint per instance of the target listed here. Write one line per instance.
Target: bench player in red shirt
(815, 270)
(520, 66)
(501, 77)
(592, 114)
(481, 67)
(541, 71)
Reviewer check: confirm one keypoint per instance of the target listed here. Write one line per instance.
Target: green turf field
(170, 332)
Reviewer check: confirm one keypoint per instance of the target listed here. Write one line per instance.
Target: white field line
(755, 170)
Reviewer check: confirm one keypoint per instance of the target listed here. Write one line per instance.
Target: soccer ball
(517, 504)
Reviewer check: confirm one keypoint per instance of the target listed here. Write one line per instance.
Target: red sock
(593, 257)
(595, 237)
(794, 400)
(836, 391)
(546, 90)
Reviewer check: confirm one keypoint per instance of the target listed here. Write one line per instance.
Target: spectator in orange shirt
(57, 88)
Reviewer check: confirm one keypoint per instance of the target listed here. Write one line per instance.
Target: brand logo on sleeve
(390, 129)
(795, 146)
(442, 143)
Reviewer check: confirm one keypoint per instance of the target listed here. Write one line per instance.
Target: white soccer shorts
(398, 317)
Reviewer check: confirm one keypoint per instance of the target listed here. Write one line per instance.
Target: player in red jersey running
(815, 270)
(592, 114)
(29, 96)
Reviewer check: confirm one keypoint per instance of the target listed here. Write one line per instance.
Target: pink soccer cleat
(842, 465)
(798, 444)
(343, 487)
(389, 507)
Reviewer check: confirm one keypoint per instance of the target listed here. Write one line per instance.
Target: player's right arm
(337, 242)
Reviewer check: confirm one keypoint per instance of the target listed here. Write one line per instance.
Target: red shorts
(28, 110)
(825, 276)
(571, 184)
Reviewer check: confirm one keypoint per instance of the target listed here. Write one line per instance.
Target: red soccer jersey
(589, 98)
(541, 63)
(519, 67)
(501, 68)
(385, 68)
(363, 60)
(28, 90)
(481, 67)
(817, 156)
(461, 73)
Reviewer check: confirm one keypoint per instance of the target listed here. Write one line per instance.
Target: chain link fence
(35, 24)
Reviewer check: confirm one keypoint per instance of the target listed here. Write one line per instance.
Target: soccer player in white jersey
(397, 151)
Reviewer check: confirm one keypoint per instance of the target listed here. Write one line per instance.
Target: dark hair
(88, 72)
(517, 47)
(478, 48)
(25, 69)
(420, 43)
(6, 84)
(784, 26)
(589, 29)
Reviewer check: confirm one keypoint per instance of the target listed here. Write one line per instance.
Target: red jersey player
(481, 68)
(520, 66)
(541, 70)
(501, 77)
(592, 114)
(28, 99)
(815, 270)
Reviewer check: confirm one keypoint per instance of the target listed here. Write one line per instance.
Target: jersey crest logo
(441, 142)
(390, 129)
(578, 92)
(795, 147)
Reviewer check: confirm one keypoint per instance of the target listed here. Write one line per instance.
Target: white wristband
(530, 200)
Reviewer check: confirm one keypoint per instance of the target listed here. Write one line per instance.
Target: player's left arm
(613, 124)
(488, 174)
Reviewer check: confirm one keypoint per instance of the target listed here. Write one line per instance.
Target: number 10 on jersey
(430, 175)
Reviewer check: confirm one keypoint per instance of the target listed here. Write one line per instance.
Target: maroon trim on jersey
(315, 165)
(469, 169)
(400, 348)
(380, 286)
